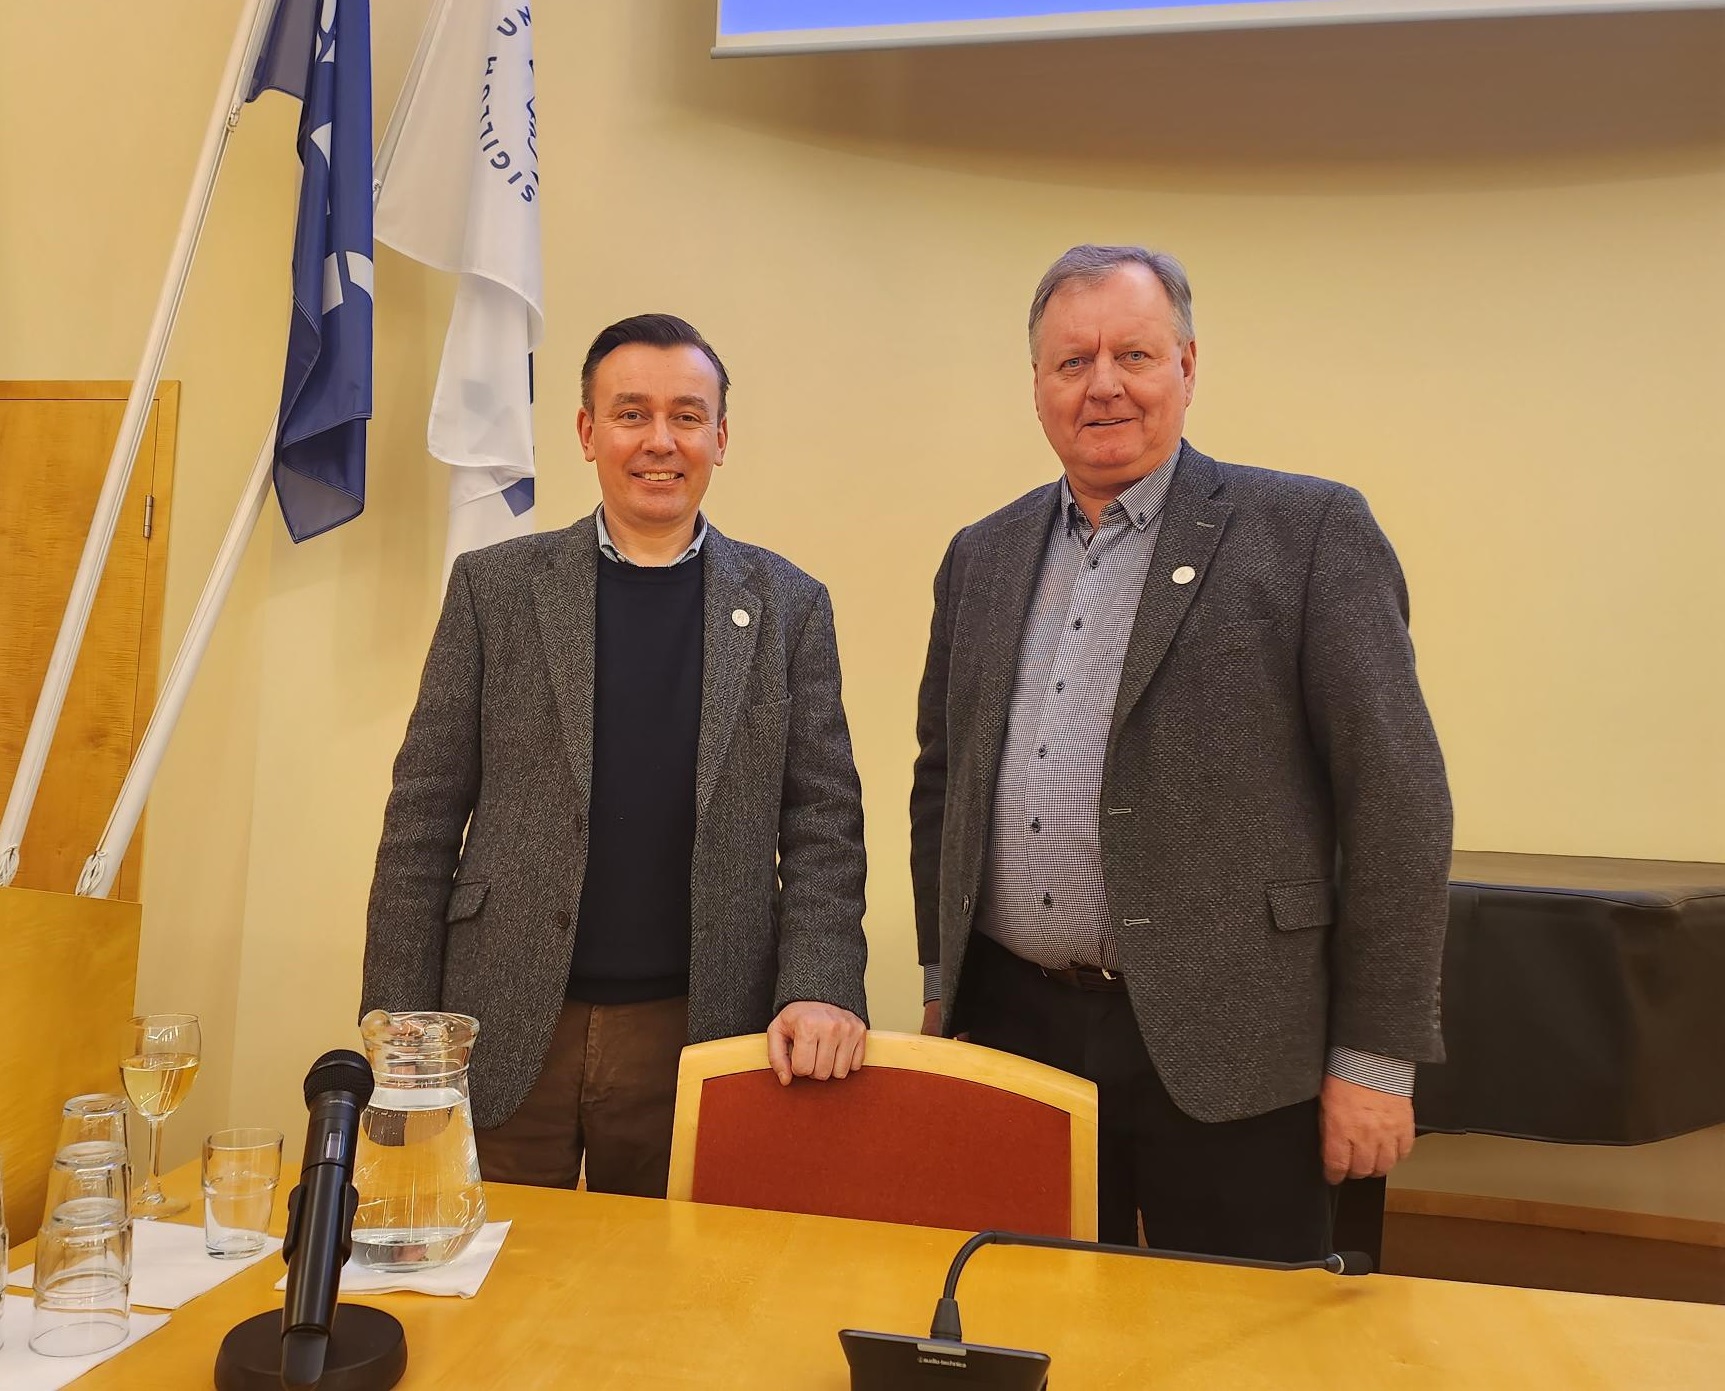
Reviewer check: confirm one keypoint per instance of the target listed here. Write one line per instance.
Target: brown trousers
(606, 1093)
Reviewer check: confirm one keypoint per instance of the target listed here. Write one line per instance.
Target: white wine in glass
(157, 1073)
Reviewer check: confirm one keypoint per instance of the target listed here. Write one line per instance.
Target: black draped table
(1583, 1000)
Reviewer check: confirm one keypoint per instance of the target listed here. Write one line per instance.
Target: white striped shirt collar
(608, 548)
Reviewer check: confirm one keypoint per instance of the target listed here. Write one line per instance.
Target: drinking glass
(157, 1072)
(83, 1279)
(241, 1170)
(89, 1169)
(93, 1116)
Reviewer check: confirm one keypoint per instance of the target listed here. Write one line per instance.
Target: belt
(1087, 977)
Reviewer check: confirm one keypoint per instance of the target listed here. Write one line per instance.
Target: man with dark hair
(625, 816)
(1179, 820)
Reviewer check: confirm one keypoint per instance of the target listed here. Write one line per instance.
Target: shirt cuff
(931, 982)
(1390, 1075)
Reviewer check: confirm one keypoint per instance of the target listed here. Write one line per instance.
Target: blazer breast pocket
(768, 714)
(1245, 635)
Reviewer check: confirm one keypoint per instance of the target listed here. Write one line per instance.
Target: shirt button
(1094, 562)
(1059, 686)
(1042, 752)
(1047, 900)
(1036, 823)
(1078, 623)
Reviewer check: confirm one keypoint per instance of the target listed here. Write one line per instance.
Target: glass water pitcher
(417, 1169)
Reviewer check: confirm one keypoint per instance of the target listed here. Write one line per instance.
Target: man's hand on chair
(811, 1039)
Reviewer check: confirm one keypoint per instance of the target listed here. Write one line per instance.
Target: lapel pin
(1184, 575)
(740, 617)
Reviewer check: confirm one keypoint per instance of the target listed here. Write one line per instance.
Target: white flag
(461, 192)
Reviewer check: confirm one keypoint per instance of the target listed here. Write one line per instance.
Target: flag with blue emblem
(459, 190)
(320, 52)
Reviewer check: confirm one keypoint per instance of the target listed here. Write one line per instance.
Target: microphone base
(895, 1362)
(367, 1352)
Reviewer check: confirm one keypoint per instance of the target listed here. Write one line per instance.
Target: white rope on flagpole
(103, 866)
(236, 77)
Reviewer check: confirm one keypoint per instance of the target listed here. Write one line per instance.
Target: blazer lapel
(731, 620)
(990, 628)
(1192, 525)
(563, 597)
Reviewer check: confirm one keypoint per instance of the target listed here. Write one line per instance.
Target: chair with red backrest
(930, 1132)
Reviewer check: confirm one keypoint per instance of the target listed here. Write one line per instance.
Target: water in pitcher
(417, 1168)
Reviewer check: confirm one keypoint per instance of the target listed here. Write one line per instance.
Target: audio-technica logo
(923, 1359)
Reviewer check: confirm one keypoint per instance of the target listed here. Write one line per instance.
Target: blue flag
(320, 51)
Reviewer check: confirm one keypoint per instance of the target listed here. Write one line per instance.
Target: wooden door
(55, 438)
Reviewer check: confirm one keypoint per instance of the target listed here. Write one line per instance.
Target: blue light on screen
(765, 16)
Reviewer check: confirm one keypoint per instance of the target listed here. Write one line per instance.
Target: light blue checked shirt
(1045, 898)
(608, 549)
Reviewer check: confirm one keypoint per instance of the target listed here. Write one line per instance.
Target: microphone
(314, 1340)
(893, 1361)
(946, 1324)
(320, 1213)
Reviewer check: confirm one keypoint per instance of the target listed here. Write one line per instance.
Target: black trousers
(1252, 1187)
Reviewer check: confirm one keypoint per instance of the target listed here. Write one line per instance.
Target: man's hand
(931, 1018)
(1362, 1132)
(810, 1039)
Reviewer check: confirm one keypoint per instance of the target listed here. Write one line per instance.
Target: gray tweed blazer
(1275, 819)
(484, 846)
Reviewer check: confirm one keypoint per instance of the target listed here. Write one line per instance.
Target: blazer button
(964, 905)
(562, 919)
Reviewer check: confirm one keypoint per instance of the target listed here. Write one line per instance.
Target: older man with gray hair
(1179, 821)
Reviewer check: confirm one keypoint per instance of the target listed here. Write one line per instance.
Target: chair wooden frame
(912, 1053)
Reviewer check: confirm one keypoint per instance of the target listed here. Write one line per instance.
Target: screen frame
(1180, 19)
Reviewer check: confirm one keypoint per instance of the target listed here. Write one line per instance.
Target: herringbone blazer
(1274, 817)
(483, 853)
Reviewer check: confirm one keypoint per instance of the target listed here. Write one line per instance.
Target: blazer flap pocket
(1302, 903)
(466, 899)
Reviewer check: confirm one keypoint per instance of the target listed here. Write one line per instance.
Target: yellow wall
(1474, 268)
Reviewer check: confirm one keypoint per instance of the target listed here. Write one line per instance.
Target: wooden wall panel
(55, 438)
(68, 972)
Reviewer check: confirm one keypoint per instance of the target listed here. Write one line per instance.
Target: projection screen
(804, 26)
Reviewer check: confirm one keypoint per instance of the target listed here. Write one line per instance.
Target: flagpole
(242, 60)
(404, 100)
(103, 866)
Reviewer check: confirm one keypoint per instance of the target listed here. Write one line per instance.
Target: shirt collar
(1141, 504)
(608, 548)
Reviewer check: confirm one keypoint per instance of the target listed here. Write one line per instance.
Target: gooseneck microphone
(946, 1321)
(315, 1341)
(320, 1213)
(896, 1361)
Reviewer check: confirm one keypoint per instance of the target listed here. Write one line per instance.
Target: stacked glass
(3, 1252)
(84, 1249)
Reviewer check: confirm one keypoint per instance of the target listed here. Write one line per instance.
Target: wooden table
(607, 1292)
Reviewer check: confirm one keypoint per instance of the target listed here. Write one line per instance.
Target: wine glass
(157, 1072)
